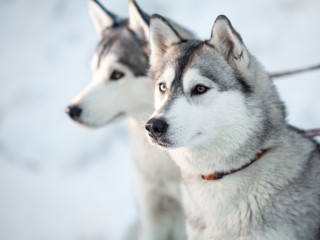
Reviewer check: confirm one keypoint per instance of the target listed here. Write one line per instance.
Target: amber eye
(199, 89)
(116, 75)
(162, 87)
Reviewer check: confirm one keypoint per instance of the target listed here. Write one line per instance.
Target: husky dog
(121, 89)
(246, 174)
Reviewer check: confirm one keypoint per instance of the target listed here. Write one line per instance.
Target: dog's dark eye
(116, 75)
(162, 87)
(199, 89)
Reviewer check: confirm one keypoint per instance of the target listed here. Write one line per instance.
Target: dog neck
(219, 175)
(220, 157)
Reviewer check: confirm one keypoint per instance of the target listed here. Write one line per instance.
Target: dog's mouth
(116, 117)
(109, 121)
(159, 141)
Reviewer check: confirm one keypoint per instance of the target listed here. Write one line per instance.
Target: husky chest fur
(246, 173)
(121, 89)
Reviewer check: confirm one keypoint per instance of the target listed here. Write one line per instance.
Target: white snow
(60, 181)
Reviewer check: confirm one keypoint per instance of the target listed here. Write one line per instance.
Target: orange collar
(219, 175)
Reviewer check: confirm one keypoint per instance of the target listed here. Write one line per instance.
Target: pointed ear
(101, 17)
(229, 43)
(139, 21)
(162, 36)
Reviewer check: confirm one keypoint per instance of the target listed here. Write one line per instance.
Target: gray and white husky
(121, 89)
(246, 173)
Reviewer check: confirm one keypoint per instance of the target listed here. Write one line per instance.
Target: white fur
(160, 38)
(136, 21)
(103, 99)
(100, 19)
(156, 177)
(208, 120)
(233, 208)
(221, 35)
(166, 78)
(276, 197)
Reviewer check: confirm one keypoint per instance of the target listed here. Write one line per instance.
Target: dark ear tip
(133, 2)
(114, 17)
(144, 15)
(157, 16)
(223, 18)
(95, 1)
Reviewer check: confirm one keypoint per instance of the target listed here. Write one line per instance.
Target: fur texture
(216, 107)
(121, 89)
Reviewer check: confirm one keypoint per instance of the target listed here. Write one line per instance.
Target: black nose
(156, 127)
(74, 112)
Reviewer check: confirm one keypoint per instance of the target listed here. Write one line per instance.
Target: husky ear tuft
(229, 43)
(162, 36)
(101, 17)
(139, 21)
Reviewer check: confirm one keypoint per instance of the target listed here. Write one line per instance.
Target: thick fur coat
(121, 89)
(216, 108)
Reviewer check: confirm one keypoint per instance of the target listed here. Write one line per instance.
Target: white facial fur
(201, 120)
(104, 101)
(167, 78)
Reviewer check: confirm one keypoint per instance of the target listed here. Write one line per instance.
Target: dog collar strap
(219, 175)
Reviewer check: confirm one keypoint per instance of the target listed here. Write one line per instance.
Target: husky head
(120, 86)
(209, 94)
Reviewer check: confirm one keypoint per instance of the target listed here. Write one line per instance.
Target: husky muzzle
(156, 128)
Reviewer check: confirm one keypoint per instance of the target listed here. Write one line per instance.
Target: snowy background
(59, 181)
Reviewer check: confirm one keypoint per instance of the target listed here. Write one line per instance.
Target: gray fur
(124, 49)
(131, 49)
(276, 197)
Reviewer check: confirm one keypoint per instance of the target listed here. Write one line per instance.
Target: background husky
(121, 89)
(216, 109)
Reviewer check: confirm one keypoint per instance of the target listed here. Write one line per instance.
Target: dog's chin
(161, 143)
(116, 118)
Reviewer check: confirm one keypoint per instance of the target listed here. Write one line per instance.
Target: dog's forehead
(124, 43)
(180, 58)
(197, 55)
(167, 75)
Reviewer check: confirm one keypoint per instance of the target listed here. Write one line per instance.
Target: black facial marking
(245, 87)
(207, 43)
(139, 67)
(110, 36)
(132, 51)
(137, 59)
(192, 46)
(189, 49)
(208, 74)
